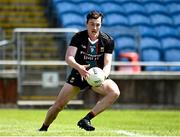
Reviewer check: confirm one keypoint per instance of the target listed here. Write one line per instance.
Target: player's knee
(113, 87)
(116, 93)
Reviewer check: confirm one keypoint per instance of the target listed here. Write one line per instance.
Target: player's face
(93, 27)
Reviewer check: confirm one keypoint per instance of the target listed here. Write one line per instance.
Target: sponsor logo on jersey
(90, 57)
(102, 49)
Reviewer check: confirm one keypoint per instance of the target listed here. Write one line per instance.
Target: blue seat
(76, 1)
(173, 6)
(138, 18)
(150, 42)
(155, 6)
(87, 6)
(159, 18)
(70, 7)
(120, 30)
(169, 42)
(133, 6)
(146, 30)
(169, 1)
(103, 1)
(125, 43)
(166, 30)
(178, 29)
(115, 18)
(171, 48)
(111, 6)
(151, 51)
(176, 19)
(145, 1)
(77, 26)
(71, 18)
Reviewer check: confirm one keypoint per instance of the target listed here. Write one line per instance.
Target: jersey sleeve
(110, 46)
(75, 41)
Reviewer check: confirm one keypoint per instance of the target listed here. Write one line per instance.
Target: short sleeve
(110, 46)
(75, 41)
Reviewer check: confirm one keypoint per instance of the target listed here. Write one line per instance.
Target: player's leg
(111, 92)
(67, 93)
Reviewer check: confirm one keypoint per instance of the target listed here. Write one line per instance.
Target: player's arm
(107, 64)
(70, 59)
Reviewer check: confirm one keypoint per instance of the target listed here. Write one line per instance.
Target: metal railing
(21, 63)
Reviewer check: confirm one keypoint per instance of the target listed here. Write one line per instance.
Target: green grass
(25, 122)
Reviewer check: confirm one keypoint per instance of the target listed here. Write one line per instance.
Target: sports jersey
(89, 52)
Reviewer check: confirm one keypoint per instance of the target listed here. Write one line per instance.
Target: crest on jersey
(92, 48)
(102, 49)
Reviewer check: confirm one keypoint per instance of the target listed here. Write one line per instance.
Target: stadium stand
(70, 7)
(136, 7)
(173, 6)
(18, 13)
(1, 51)
(138, 18)
(146, 29)
(171, 50)
(71, 18)
(160, 18)
(125, 43)
(114, 18)
(87, 6)
(164, 30)
(151, 50)
(143, 30)
(1, 33)
(178, 29)
(25, 14)
(155, 7)
(112, 7)
(176, 19)
(153, 20)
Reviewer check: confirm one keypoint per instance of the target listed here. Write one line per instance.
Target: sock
(89, 116)
(44, 128)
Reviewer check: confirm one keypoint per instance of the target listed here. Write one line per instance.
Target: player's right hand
(83, 71)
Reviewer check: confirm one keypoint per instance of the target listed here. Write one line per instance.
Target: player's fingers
(87, 66)
(82, 78)
(85, 77)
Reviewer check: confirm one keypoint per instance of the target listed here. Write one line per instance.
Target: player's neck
(93, 38)
(92, 41)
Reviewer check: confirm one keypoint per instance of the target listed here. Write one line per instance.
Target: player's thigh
(109, 86)
(67, 93)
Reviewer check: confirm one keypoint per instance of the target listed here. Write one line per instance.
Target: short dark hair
(94, 15)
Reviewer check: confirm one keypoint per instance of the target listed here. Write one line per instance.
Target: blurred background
(34, 35)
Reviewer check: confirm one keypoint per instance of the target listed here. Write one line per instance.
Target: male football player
(88, 48)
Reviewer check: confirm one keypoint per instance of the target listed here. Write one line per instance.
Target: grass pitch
(25, 122)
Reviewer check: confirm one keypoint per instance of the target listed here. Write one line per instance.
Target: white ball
(96, 77)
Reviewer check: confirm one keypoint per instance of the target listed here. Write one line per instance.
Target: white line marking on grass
(120, 133)
(127, 133)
